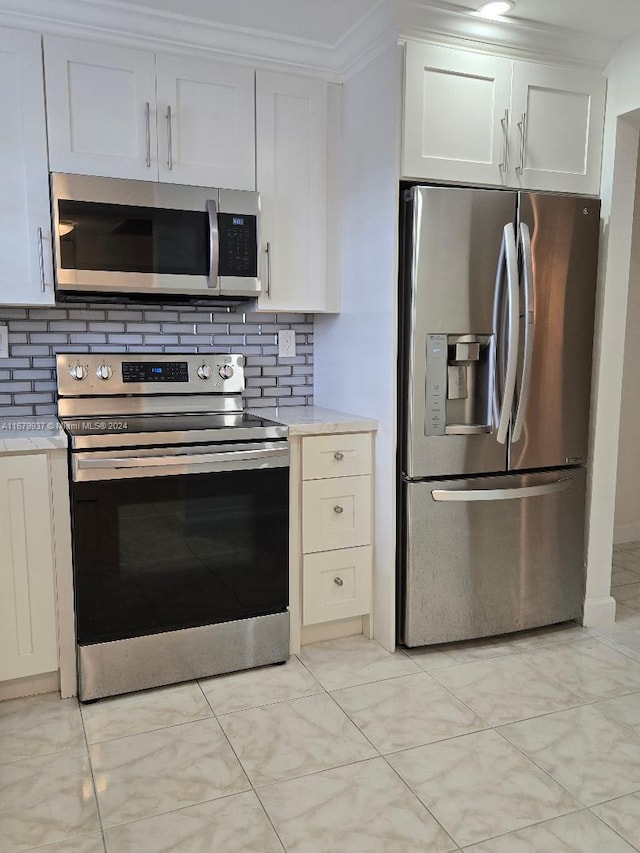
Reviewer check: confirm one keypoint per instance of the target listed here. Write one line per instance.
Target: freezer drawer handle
(471, 495)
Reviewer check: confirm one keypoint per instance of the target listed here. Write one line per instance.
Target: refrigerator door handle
(527, 270)
(508, 259)
(472, 495)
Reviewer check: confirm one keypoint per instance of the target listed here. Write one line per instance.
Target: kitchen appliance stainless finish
(143, 238)
(498, 294)
(180, 520)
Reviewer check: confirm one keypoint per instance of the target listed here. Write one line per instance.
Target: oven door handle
(145, 466)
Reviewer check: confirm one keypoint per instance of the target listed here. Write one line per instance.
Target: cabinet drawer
(336, 585)
(346, 455)
(336, 513)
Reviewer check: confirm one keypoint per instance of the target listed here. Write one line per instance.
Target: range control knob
(204, 371)
(226, 371)
(104, 371)
(78, 371)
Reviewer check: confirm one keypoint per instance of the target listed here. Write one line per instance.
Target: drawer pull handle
(338, 509)
(338, 581)
(338, 456)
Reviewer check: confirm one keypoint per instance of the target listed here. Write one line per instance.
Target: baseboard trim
(599, 611)
(623, 533)
(330, 630)
(31, 685)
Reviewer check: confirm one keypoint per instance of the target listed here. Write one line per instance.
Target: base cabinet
(331, 536)
(28, 625)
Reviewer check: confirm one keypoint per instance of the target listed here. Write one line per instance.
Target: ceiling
(326, 21)
(609, 19)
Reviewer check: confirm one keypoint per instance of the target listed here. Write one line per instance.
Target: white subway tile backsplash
(27, 377)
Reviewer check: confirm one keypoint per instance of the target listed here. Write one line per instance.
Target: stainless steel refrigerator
(497, 312)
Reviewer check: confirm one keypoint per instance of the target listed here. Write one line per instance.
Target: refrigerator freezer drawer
(490, 555)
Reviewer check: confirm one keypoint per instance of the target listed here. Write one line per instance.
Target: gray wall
(27, 377)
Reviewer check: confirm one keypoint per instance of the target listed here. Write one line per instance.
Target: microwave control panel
(238, 245)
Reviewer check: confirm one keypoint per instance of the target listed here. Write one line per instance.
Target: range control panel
(106, 374)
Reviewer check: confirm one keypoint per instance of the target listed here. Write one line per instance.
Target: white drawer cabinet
(475, 118)
(336, 513)
(344, 455)
(336, 584)
(331, 535)
(124, 113)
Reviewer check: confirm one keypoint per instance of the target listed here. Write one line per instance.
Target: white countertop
(314, 420)
(31, 435)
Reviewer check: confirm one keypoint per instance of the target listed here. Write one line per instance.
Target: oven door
(178, 544)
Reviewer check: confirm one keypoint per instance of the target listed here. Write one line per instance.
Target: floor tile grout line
(93, 778)
(608, 825)
(153, 730)
(420, 800)
(543, 769)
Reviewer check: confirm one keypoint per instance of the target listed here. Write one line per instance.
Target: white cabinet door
(291, 126)
(206, 123)
(101, 109)
(28, 636)
(455, 115)
(26, 276)
(556, 137)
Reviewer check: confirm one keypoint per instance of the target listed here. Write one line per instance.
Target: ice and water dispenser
(459, 379)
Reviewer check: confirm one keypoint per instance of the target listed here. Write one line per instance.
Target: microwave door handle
(513, 322)
(529, 316)
(213, 282)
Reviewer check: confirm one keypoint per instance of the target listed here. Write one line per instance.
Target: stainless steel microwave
(124, 237)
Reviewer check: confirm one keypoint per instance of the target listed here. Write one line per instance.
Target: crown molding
(386, 22)
(107, 20)
(441, 21)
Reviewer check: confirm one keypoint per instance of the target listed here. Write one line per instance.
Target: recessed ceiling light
(495, 9)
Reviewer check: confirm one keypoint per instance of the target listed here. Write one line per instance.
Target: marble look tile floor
(528, 743)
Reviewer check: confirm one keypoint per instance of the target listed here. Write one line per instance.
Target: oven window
(159, 554)
(121, 238)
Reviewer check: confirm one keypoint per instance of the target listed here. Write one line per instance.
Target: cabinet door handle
(147, 118)
(267, 252)
(338, 509)
(338, 581)
(43, 284)
(522, 127)
(504, 121)
(338, 456)
(169, 140)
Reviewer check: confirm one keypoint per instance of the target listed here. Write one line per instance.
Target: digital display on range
(155, 371)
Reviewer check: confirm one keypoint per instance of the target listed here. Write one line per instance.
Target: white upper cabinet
(124, 113)
(558, 115)
(101, 109)
(26, 276)
(478, 119)
(455, 110)
(206, 123)
(292, 178)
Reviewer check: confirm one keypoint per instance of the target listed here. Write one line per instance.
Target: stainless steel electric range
(180, 516)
